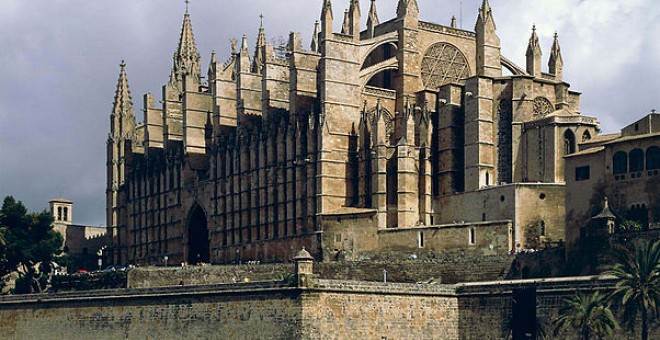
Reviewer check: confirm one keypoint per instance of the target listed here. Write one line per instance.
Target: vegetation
(637, 290)
(29, 245)
(629, 225)
(588, 315)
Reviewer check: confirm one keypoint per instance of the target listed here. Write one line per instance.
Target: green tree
(30, 241)
(589, 315)
(637, 289)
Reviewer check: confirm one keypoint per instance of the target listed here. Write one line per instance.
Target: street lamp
(166, 258)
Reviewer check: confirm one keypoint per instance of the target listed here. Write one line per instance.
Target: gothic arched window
(636, 160)
(586, 136)
(653, 158)
(569, 142)
(620, 163)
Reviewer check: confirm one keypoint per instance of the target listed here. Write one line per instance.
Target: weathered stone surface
(412, 124)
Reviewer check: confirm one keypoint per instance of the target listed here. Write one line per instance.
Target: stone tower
(119, 146)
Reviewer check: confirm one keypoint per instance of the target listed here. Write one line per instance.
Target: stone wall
(274, 310)
(230, 312)
(174, 276)
(323, 309)
(459, 267)
(344, 310)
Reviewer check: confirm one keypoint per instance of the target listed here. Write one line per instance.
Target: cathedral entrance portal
(198, 236)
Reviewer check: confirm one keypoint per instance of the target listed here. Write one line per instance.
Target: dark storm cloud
(59, 64)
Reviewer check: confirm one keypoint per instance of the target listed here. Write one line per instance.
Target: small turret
(314, 46)
(453, 21)
(326, 19)
(534, 55)
(372, 20)
(212, 67)
(488, 43)
(244, 56)
(408, 10)
(556, 63)
(354, 15)
(346, 24)
(259, 58)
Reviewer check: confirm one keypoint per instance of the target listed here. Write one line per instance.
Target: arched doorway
(198, 236)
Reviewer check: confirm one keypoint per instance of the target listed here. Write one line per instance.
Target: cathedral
(398, 136)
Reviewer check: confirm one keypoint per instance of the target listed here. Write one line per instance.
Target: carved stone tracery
(443, 63)
(542, 107)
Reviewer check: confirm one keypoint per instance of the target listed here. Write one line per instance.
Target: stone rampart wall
(325, 309)
(264, 311)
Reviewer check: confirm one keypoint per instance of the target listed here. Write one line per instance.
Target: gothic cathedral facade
(347, 148)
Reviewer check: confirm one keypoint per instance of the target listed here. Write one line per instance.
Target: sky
(59, 63)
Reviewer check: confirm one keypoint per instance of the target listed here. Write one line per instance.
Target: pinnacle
(186, 58)
(123, 103)
(373, 14)
(315, 38)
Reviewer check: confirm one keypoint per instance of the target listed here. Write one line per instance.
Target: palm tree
(637, 289)
(588, 315)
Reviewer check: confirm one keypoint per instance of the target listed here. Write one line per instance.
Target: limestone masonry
(400, 136)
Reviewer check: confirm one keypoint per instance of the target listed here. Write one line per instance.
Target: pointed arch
(198, 236)
(569, 142)
(586, 136)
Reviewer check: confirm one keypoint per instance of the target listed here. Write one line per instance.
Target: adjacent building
(397, 135)
(78, 239)
(623, 168)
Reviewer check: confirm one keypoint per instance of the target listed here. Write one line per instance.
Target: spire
(186, 58)
(244, 64)
(326, 18)
(244, 44)
(486, 15)
(556, 63)
(354, 15)
(123, 113)
(407, 8)
(258, 60)
(315, 37)
(346, 25)
(211, 70)
(372, 20)
(534, 55)
(213, 57)
(453, 21)
(488, 43)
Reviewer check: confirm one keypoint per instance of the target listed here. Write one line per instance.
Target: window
(653, 158)
(420, 239)
(66, 214)
(59, 214)
(620, 163)
(542, 225)
(636, 160)
(582, 173)
(569, 142)
(586, 136)
(473, 236)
